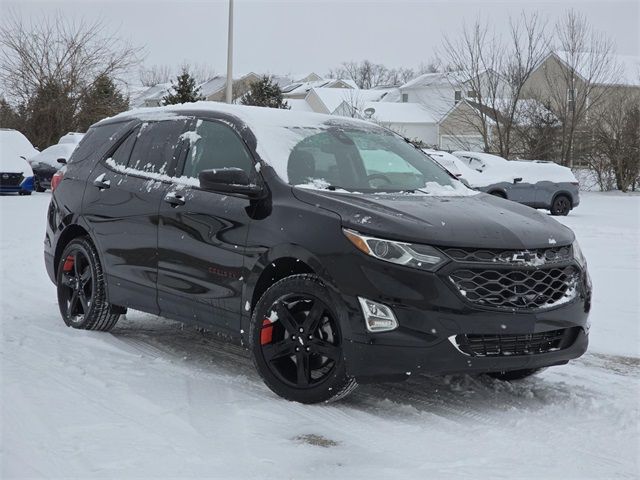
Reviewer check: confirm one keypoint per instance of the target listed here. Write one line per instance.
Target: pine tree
(264, 93)
(102, 99)
(183, 91)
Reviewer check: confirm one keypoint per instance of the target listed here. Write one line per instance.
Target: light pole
(229, 90)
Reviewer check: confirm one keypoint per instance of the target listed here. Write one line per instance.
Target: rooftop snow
(333, 97)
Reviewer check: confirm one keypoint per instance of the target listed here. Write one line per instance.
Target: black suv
(333, 248)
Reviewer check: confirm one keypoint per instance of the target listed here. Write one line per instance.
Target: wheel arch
(498, 192)
(72, 231)
(562, 193)
(280, 262)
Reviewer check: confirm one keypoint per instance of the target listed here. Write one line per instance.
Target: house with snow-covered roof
(300, 89)
(439, 92)
(411, 120)
(150, 96)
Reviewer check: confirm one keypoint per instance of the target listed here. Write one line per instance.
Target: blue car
(16, 175)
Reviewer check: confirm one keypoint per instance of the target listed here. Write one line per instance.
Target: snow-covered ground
(153, 399)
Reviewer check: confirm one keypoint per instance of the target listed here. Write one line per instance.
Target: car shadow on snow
(456, 397)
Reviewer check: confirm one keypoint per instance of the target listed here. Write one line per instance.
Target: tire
(24, 192)
(82, 289)
(561, 205)
(513, 375)
(290, 354)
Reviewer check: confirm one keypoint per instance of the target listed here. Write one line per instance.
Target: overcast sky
(301, 36)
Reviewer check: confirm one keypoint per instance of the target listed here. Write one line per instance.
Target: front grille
(524, 344)
(508, 289)
(535, 257)
(10, 179)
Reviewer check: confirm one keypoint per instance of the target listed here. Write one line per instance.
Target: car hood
(13, 164)
(481, 221)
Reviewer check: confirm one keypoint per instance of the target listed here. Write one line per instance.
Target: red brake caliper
(68, 264)
(266, 333)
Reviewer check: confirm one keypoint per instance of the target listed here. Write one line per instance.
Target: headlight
(578, 255)
(412, 255)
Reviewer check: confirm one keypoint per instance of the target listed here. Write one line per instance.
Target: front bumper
(429, 311)
(26, 185)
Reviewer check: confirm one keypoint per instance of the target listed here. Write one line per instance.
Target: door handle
(101, 183)
(173, 199)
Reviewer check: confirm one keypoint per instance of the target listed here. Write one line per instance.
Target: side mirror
(61, 160)
(229, 180)
(517, 180)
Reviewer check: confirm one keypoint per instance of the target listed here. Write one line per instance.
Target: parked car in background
(456, 167)
(46, 163)
(16, 175)
(71, 137)
(537, 184)
(332, 248)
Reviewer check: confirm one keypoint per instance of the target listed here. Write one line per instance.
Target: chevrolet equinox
(333, 248)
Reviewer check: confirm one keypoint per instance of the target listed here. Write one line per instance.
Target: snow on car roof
(50, 155)
(277, 131)
(13, 146)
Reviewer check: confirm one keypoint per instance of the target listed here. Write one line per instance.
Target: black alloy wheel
(297, 343)
(76, 286)
(81, 288)
(561, 205)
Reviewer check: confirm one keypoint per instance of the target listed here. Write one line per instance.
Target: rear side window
(123, 152)
(97, 141)
(156, 146)
(214, 145)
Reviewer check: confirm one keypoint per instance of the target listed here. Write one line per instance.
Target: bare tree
(47, 65)
(364, 74)
(202, 72)
(354, 103)
(55, 48)
(584, 75)
(492, 71)
(615, 133)
(155, 74)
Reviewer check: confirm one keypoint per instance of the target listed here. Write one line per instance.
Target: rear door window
(97, 141)
(214, 145)
(156, 146)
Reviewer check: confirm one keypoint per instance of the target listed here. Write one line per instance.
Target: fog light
(377, 316)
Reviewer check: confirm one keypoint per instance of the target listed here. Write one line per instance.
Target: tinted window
(97, 141)
(214, 145)
(156, 146)
(123, 152)
(361, 160)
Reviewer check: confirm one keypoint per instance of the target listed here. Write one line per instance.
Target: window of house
(405, 97)
(472, 94)
(216, 146)
(457, 96)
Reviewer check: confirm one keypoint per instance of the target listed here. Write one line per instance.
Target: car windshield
(341, 157)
